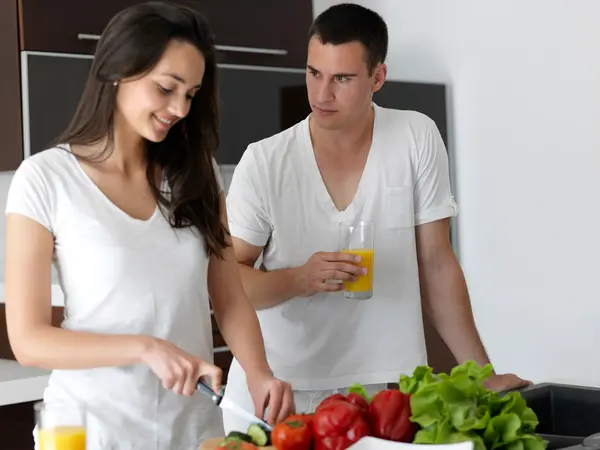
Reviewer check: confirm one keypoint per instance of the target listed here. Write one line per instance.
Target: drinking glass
(358, 238)
(60, 426)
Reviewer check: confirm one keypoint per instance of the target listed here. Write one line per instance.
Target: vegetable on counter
(427, 408)
(337, 425)
(354, 398)
(238, 435)
(237, 445)
(457, 407)
(389, 413)
(294, 433)
(307, 418)
(259, 436)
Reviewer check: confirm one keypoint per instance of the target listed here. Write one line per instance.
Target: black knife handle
(206, 389)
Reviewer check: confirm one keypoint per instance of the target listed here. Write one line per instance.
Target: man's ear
(379, 74)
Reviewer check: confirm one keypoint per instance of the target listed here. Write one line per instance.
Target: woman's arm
(241, 330)
(34, 341)
(233, 311)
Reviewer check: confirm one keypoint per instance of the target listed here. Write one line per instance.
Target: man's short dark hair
(348, 22)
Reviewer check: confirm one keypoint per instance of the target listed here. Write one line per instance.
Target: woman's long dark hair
(131, 45)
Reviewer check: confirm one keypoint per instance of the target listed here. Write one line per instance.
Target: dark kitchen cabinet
(260, 32)
(16, 431)
(261, 55)
(53, 84)
(255, 102)
(10, 92)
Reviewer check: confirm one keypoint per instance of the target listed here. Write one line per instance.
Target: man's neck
(351, 139)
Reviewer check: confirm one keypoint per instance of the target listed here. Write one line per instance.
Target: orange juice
(363, 283)
(62, 438)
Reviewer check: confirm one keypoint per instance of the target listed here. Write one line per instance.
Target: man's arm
(444, 292)
(268, 289)
(264, 289)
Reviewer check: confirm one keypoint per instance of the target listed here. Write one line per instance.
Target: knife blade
(225, 403)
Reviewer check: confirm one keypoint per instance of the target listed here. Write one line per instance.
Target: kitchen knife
(227, 404)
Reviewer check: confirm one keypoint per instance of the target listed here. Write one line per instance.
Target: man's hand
(505, 382)
(312, 277)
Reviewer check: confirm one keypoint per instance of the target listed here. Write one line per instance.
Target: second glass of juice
(358, 238)
(60, 426)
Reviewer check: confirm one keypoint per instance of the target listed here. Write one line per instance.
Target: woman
(130, 209)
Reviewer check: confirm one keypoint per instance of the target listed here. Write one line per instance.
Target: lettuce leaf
(456, 407)
(359, 389)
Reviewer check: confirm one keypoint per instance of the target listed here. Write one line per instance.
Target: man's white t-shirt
(277, 199)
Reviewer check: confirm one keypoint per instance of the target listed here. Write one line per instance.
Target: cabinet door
(52, 87)
(256, 104)
(11, 151)
(65, 26)
(260, 32)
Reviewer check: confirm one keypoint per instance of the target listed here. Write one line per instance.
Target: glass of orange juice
(60, 426)
(358, 238)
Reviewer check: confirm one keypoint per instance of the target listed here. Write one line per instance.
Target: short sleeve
(29, 196)
(433, 193)
(246, 203)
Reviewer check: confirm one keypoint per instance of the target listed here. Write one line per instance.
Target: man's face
(339, 85)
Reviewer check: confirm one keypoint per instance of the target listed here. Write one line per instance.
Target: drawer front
(275, 36)
(260, 32)
(64, 26)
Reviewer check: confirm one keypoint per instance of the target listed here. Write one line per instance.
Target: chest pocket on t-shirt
(399, 207)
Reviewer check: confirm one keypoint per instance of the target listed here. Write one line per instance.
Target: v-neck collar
(318, 184)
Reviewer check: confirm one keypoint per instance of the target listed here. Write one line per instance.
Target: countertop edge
(20, 384)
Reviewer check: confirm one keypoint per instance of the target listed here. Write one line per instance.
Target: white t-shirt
(277, 198)
(121, 275)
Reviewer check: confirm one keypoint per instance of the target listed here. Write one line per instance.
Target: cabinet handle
(223, 349)
(88, 37)
(264, 51)
(223, 48)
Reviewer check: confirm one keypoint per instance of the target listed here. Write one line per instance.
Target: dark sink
(567, 414)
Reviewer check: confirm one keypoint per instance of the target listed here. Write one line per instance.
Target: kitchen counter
(20, 384)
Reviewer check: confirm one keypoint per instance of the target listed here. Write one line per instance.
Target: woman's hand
(179, 371)
(268, 391)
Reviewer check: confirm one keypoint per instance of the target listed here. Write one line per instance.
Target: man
(349, 160)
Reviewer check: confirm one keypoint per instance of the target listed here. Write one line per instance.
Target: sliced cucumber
(260, 436)
(238, 435)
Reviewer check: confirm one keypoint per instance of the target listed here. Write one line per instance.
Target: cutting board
(213, 443)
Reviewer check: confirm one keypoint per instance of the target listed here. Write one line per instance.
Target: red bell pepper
(353, 398)
(389, 413)
(337, 425)
(329, 399)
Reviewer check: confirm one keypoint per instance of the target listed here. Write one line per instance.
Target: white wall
(525, 108)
